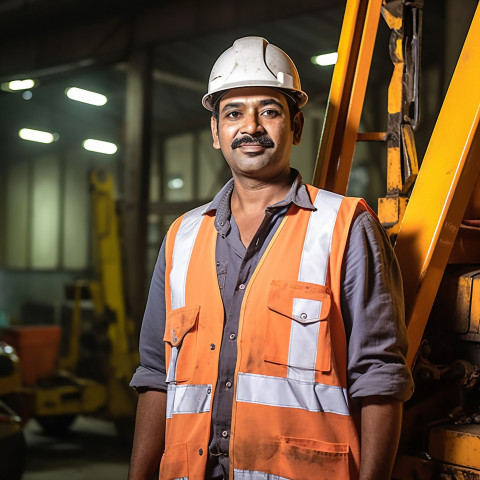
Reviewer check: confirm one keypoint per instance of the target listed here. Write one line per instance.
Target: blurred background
(148, 63)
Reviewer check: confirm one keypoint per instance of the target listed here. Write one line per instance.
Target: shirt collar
(297, 195)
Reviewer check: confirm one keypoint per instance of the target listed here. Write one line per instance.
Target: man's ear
(214, 128)
(298, 122)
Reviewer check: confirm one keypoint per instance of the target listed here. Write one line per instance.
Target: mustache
(263, 140)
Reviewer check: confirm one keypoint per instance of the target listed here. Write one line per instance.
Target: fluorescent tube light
(99, 146)
(325, 59)
(15, 85)
(36, 135)
(86, 96)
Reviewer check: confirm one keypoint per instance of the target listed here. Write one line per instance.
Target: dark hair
(292, 107)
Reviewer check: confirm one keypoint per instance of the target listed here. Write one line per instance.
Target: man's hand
(380, 433)
(149, 439)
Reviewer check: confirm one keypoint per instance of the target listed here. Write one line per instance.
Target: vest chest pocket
(181, 328)
(298, 333)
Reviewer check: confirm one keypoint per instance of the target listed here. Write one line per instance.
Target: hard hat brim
(209, 99)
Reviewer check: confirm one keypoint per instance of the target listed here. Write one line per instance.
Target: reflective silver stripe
(313, 269)
(251, 475)
(170, 399)
(172, 366)
(188, 399)
(288, 393)
(182, 250)
(305, 335)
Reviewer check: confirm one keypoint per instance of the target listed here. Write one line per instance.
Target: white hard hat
(253, 62)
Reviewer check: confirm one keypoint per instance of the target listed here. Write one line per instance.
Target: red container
(38, 349)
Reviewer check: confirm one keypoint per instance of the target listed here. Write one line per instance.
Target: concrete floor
(91, 450)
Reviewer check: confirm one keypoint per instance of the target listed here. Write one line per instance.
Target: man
(275, 316)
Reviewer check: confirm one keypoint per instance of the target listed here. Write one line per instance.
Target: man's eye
(233, 114)
(270, 113)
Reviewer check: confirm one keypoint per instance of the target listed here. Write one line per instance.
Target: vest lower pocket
(174, 464)
(306, 458)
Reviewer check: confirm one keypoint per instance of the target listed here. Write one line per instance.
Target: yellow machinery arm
(108, 256)
(117, 358)
(449, 169)
(425, 224)
(442, 191)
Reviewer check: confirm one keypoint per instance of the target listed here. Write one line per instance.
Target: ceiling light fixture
(99, 146)
(36, 135)
(326, 59)
(86, 96)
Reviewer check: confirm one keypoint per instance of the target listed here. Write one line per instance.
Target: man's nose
(252, 124)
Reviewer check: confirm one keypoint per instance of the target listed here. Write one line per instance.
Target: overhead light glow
(86, 96)
(175, 183)
(36, 135)
(15, 85)
(99, 146)
(8, 349)
(325, 59)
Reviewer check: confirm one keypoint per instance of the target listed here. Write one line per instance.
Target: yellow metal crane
(433, 221)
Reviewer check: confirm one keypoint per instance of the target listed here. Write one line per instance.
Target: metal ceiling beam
(112, 38)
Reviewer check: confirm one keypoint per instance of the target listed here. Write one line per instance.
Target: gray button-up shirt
(372, 310)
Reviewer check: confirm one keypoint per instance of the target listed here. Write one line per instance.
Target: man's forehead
(252, 94)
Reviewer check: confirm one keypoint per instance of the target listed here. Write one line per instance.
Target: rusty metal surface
(416, 468)
(405, 21)
(456, 444)
(458, 299)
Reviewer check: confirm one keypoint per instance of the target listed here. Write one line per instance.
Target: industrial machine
(432, 215)
(12, 441)
(93, 375)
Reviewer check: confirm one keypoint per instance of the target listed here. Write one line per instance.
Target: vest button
(212, 346)
(209, 390)
(303, 316)
(224, 434)
(200, 451)
(228, 384)
(241, 286)
(233, 336)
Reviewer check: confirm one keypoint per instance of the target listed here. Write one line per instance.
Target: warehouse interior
(151, 60)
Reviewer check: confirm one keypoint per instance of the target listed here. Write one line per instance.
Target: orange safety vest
(291, 417)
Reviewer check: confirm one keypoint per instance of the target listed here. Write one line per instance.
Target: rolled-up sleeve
(151, 372)
(373, 312)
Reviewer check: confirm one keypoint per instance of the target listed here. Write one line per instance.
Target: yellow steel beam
(347, 93)
(372, 137)
(442, 191)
